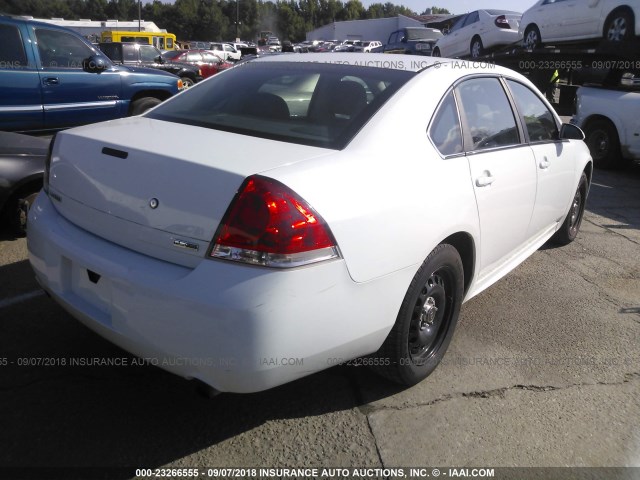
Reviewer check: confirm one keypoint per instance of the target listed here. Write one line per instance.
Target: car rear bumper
(237, 328)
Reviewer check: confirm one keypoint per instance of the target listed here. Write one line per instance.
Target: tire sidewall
(443, 256)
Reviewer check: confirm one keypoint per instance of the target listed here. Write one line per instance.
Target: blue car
(52, 78)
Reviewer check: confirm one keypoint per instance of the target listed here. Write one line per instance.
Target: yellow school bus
(162, 40)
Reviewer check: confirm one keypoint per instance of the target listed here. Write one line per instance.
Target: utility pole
(139, 15)
(237, 19)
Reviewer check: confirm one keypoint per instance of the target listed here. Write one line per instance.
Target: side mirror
(403, 40)
(94, 64)
(158, 59)
(569, 131)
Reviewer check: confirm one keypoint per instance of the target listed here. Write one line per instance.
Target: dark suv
(52, 78)
(137, 54)
(413, 41)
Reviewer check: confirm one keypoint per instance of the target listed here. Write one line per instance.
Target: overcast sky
(454, 6)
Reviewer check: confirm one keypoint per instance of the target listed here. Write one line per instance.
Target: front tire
(602, 139)
(436, 52)
(476, 49)
(426, 320)
(187, 82)
(143, 104)
(571, 225)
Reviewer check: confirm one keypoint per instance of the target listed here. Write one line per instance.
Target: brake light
(268, 224)
(502, 22)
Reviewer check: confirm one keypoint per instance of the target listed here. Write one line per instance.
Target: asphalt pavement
(543, 370)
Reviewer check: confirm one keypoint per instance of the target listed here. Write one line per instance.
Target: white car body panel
(620, 107)
(570, 20)
(388, 197)
(457, 43)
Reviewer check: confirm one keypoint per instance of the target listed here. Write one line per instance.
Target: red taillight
(269, 224)
(502, 22)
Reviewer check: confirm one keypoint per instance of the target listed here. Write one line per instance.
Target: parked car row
(52, 78)
(481, 31)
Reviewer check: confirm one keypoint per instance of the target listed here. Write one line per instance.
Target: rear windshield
(310, 103)
(423, 34)
(502, 12)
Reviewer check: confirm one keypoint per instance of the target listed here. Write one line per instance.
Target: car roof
(398, 62)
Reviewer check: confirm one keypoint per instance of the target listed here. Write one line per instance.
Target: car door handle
(544, 163)
(485, 180)
(51, 81)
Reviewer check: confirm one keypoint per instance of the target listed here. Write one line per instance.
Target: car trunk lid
(157, 187)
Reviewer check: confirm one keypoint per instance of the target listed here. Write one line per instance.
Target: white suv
(611, 124)
(368, 46)
(225, 51)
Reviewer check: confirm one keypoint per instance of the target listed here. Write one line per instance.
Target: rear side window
(488, 113)
(12, 54)
(129, 53)
(445, 128)
(194, 57)
(61, 49)
(148, 53)
(317, 104)
(539, 121)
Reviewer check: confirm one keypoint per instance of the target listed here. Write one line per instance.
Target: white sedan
(570, 20)
(611, 124)
(477, 32)
(265, 245)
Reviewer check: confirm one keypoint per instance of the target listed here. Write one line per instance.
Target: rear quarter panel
(389, 198)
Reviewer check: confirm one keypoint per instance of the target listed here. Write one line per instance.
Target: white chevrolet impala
(299, 211)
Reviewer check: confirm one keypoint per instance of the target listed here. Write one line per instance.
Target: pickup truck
(52, 78)
(143, 55)
(610, 120)
(413, 41)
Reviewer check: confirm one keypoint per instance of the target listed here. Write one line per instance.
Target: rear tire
(619, 26)
(532, 39)
(476, 48)
(602, 139)
(426, 321)
(143, 104)
(571, 225)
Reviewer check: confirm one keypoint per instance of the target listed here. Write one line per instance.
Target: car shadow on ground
(58, 415)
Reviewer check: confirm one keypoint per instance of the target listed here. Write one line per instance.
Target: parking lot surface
(543, 370)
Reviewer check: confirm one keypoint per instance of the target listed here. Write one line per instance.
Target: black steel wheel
(426, 320)
(571, 225)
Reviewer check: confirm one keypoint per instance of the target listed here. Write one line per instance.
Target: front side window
(60, 49)
(539, 121)
(169, 43)
(488, 114)
(308, 103)
(12, 54)
(445, 128)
